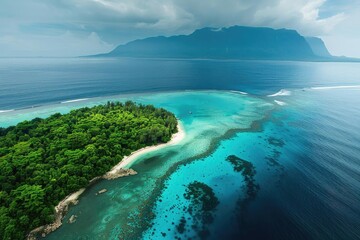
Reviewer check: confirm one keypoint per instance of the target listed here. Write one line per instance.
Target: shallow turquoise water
(306, 157)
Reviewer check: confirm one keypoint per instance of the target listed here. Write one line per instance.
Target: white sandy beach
(127, 160)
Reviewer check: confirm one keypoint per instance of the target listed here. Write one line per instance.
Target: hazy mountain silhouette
(318, 46)
(229, 43)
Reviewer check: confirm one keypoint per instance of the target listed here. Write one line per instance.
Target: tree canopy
(44, 160)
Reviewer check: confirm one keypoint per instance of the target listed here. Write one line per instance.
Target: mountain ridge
(236, 42)
(318, 47)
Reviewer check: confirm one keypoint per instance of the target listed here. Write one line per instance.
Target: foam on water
(75, 100)
(334, 87)
(282, 92)
(281, 103)
(5, 111)
(244, 93)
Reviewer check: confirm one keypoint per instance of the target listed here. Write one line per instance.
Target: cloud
(64, 45)
(345, 36)
(119, 21)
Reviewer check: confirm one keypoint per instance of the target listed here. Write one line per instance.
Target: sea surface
(294, 127)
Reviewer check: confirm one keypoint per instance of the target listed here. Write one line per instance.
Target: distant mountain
(228, 43)
(318, 46)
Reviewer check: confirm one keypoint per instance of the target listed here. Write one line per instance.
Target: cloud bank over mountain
(78, 27)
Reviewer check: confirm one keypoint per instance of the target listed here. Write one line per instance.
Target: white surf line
(5, 111)
(243, 93)
(335, 87)
(280, 103)
(282, 92)
(75, 100)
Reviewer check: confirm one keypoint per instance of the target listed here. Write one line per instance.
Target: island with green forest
(44, 160)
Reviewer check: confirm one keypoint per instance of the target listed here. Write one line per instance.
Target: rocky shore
(121, 172)
(62, 208)
(60, 211)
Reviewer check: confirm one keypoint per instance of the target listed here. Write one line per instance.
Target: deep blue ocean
(298, 125)
(30, 82)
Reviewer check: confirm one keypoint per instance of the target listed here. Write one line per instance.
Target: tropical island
(44, 160)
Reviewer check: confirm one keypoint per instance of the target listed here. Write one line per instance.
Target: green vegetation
(44, 160)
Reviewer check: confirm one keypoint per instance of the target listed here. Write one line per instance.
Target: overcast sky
(82, 27)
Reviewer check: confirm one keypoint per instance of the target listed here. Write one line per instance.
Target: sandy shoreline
(127, 160)
(119, 170)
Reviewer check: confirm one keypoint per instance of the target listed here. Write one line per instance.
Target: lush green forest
(44, 160)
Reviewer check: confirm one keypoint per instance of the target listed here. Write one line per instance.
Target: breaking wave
(282, 92)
